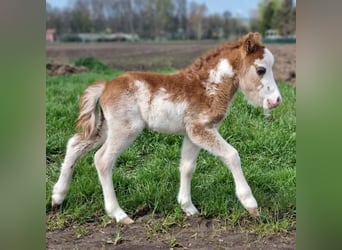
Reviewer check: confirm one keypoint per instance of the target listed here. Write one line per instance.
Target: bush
(93, 64)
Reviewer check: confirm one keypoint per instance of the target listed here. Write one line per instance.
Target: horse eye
(260, 71)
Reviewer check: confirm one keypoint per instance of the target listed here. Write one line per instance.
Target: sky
(241, 8)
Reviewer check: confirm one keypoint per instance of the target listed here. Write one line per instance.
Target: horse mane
(199, 68)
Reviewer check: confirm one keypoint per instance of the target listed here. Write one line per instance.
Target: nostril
(278, 99)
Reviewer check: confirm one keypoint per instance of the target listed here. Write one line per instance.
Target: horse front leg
(210, 140)
(187, 166)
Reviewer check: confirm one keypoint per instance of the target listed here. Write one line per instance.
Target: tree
(226, 16)
(213, 27)
(181, 18)
(287, 20)
(163, 18)
(197, 14)
(157, 19)
(277, 14)
(97, 8)
(147, 19)
(57, 19)
(81, 20)
(269, 14)
(254, 21)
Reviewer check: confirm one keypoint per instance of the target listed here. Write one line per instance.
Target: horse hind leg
(116, 142)
(76, 147)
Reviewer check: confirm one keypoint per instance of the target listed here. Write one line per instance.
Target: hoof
(127, 221)
(189, 209)
(53, 204)
(191, 212)
(253, 211)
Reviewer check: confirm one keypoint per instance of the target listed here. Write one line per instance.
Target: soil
(151, 56)
(194, 233)
(64, 69)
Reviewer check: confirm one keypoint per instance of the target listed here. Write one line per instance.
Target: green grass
(146, 176)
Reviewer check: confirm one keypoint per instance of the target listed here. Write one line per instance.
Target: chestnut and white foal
(191, 102)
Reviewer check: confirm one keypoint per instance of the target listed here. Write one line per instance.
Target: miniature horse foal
(191, 102)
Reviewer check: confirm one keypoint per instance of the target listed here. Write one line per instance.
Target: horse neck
(201, 67)
(220, 94)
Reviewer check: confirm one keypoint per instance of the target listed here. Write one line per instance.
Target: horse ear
(257, 37)
(251, 42)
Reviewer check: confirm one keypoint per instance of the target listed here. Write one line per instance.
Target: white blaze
(268, 90)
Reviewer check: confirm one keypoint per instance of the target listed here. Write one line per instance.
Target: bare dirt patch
(148, 233)
(152, 56)
(285, 62)
(54, 69)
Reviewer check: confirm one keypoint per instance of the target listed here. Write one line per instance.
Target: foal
(191, 102)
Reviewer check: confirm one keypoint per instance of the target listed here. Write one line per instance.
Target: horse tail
(89, 119)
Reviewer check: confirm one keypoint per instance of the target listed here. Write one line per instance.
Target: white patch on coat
(222, 69)
(159, 112)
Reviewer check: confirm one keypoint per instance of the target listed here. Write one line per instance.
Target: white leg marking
(76, 147)
(187, 167)
(105, 157)
(242, 189)
(211, 140)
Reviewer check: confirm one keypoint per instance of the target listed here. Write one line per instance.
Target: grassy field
(146, 176)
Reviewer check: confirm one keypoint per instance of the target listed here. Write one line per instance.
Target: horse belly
(166, 116)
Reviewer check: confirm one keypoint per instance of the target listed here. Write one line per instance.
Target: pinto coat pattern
(191, 102)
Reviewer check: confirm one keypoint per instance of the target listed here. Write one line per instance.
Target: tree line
(166, 19)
